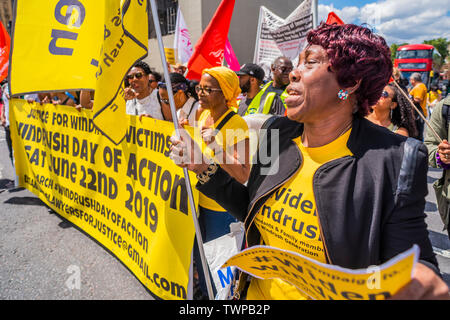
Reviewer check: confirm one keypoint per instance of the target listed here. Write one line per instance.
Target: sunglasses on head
(175, 87)
(136, 75)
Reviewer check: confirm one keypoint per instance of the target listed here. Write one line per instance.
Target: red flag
(333, 18)
(209, 50)
(5, 45)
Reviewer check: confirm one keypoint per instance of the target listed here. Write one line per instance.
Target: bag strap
(224, 121)
(408, 167)
(446, 113)
(192, 107)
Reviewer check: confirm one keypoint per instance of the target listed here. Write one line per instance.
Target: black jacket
(370, 205)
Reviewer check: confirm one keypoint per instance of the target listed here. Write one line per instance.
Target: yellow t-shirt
(420, 92)
(288, 219)
(432, 95)
(234, 131)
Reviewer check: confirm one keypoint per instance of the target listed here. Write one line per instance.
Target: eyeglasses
(150, 80)
(136, 75)
(284, 69)
(205, 90)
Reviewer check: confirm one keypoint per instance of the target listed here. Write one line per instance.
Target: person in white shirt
(141, 98)
(185, 97)
(4, 119)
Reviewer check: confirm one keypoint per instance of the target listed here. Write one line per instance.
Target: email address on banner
(105, 229)
(110, 215)
(174, 288)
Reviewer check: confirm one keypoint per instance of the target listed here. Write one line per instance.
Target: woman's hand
(45, 99)
(444, 151)
(185, 152)
(183, 122)
(208, 135)
(425, 285)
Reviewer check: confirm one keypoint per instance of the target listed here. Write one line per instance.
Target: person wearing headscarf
(350, 193)
(225, 140)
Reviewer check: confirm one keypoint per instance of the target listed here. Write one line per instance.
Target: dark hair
(356, 54)
(157, 75)
(403, 115)
(177, 78)
(276, 62)
(144, 66)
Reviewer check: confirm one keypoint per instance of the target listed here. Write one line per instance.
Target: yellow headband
(228, 82)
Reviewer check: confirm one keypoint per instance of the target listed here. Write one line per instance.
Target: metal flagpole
(258, 36)
(315, 10)
(177, 132)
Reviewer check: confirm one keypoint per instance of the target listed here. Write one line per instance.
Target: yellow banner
(327, 282)
(125, 42)
(55, 45)
(170, 55)
(130, 197)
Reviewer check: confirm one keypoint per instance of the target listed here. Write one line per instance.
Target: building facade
(6, 12)
(198, 14)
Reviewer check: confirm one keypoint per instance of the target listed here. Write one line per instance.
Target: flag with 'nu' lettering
(125, 42)
(55, 45)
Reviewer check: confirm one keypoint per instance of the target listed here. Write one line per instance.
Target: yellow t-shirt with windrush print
(288, 220)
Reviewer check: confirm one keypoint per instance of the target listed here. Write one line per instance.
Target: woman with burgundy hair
(341, 190)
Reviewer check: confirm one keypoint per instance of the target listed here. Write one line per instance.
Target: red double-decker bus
(422, 58)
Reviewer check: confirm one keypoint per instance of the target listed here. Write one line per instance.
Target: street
(42, 256)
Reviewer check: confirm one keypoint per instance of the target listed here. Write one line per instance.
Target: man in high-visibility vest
(251, 77)
(270, 99)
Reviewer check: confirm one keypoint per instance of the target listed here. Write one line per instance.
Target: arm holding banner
(426, 282)
(187, 154)
(86, 99)
(424, 285)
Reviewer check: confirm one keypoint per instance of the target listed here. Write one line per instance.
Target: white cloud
(346, 14)
(398, 21)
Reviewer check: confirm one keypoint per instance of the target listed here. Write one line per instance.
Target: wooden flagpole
(418, 111)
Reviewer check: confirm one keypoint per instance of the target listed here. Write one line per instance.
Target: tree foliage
(394, 48)
(441, 44)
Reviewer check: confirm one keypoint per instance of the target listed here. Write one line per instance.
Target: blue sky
(397, 21)
(345, 3)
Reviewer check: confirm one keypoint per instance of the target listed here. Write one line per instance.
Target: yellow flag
(125, 42)
(55, 45)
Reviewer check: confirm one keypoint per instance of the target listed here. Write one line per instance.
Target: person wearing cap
(270, 99)
(251, 77)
